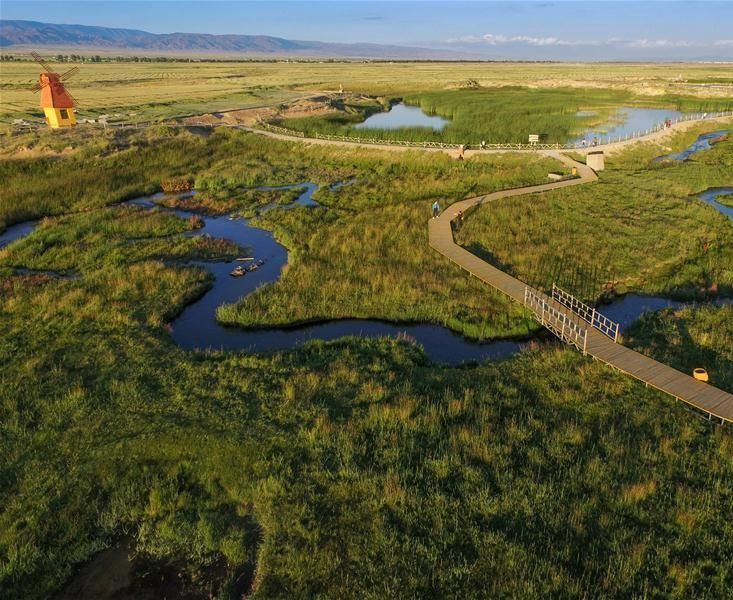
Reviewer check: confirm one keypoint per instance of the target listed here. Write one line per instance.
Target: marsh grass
(630, 227)
(357, 461)
(365, 255)
(108, 239)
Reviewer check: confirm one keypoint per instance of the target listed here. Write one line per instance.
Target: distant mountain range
(32, 34)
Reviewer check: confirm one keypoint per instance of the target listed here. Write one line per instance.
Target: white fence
(561, 324)
(590, 315)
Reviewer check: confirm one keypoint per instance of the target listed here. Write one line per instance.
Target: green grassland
(153, 91)
(348, 469)
(638, 226)
(340, 470)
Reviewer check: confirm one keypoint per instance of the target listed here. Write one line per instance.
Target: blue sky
(525, 29)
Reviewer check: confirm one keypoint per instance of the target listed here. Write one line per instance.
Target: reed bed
(501, 115)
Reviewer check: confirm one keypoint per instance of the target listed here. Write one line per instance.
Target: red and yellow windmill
(57, 103)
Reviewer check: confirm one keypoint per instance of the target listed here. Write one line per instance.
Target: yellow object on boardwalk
(701, 375)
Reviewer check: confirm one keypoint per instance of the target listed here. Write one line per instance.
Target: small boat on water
(255, 266)
(238, 271)
(244, 258)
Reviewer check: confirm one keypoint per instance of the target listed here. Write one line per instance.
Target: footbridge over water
(573, 322)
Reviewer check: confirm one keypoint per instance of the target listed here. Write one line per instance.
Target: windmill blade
(39, 59)
(38, 87)
(74, 100)
(70, 73)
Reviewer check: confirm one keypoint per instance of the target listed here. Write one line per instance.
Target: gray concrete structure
(596, 160)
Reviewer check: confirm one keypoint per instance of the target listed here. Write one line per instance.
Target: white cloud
(660, 44)
(494, 40)
(498, 39)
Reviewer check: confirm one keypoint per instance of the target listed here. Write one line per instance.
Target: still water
(626, 122)
(401, 115)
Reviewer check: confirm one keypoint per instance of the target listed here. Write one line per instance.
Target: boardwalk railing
(601, 141)
(590, 315)
(561, 324)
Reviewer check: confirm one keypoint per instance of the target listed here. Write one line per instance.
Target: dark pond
(15, 232)
(630, 307)
(710, 197)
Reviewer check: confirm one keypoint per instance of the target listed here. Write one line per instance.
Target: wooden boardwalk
(706, 398)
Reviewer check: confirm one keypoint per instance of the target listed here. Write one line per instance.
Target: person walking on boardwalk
(436, 209)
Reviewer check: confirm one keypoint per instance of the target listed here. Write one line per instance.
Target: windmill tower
(56, 102)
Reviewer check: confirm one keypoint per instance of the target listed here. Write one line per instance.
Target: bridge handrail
(589, 314)
(556, 321)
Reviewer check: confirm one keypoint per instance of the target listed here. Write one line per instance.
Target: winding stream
(16, 232)
(703, 142)
(196, 328)
(710, 197)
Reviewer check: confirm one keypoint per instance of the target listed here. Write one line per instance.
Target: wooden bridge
(576, 325)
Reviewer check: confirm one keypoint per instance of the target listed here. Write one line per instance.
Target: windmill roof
(53, 92)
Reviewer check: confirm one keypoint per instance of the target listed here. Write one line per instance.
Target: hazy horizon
(513, 30)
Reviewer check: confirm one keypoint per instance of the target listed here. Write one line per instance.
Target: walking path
(712, 401)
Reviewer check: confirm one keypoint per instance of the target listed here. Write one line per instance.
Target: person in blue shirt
(436, 209)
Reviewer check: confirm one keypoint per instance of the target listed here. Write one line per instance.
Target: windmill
(57, 103)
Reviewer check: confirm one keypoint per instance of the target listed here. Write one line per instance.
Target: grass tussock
(688, 339)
